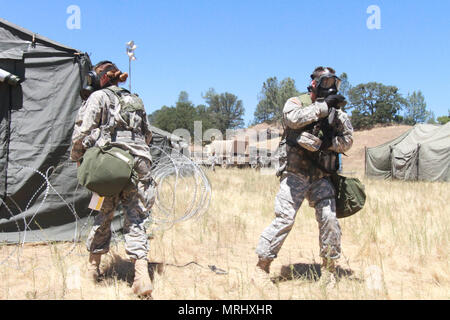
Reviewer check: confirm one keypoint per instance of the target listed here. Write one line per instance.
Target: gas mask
(327, 84)
(94, 81)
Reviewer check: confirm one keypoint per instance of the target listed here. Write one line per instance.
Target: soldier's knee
(284, 218)
(326, 210)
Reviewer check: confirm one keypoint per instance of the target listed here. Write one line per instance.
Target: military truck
(229, 153)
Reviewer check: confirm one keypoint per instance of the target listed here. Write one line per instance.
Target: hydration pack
(130, 106)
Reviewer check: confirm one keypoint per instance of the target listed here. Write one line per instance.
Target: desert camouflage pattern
(137, 202)
(294, 188)
(99, 123)
(298, 117)
(213, 161)
(301, 178)
(343, 140)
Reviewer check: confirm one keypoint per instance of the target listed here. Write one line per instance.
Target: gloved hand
(335, 101)
(326, 143)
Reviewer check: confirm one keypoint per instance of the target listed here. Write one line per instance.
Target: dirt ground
(397, 247)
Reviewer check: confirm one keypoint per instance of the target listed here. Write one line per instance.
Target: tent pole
(129, 73)
(390, 160)
(8, 135)
(365, 161)
(417, 164)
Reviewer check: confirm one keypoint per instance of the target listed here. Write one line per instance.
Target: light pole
(130, 52)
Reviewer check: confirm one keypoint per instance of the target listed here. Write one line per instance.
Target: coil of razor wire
(27, 220)
(173, 172)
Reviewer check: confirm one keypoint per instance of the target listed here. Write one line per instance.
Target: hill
(369, 138)
(354, 162)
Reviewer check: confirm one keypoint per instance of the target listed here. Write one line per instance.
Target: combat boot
(261, 275)
(93, 269)
(142, 285)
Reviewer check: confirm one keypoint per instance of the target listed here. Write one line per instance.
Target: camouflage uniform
(98, 123)
(213, 161)
(302, 178)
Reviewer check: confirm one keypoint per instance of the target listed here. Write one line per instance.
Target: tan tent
(422, 153)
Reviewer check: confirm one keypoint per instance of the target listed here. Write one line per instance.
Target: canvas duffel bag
(106, 170)
(350, 195)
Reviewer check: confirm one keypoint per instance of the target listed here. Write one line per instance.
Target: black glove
(335, 101)
(326, 143)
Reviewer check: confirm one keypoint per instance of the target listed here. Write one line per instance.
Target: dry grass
(403, 231)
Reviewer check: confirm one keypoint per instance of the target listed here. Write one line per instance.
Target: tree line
(221, 111)
(368, 104)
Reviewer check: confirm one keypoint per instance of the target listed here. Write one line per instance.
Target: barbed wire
(175, 174)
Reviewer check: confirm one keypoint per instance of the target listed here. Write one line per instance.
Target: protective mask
(91, 83)
(327, 84)
(94, 81)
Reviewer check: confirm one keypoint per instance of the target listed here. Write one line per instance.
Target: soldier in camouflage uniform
(311, 145)
(213, 161)
(100, 122)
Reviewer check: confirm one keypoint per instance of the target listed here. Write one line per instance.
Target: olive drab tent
(163, 141)
(422, 153)
(40, 198)
(39, 193)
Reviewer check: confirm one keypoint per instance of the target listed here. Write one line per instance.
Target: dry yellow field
(397, 247)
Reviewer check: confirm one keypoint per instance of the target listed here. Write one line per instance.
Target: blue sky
(235, 46)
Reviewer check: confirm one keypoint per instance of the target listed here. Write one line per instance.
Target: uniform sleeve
(297, 116)
(146, 130)
(87, 125)
(343, 140)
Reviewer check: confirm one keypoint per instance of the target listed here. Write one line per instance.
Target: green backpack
(129, 103)
(350, 195)
(106, 170)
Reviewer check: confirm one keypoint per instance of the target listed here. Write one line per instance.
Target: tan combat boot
(93, 270)
(142, 285)
(261, 275)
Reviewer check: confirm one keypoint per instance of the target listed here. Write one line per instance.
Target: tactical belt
(121, 134)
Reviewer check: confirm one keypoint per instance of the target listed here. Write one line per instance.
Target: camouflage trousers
(320, 194)
(136, 202)
(213, 162)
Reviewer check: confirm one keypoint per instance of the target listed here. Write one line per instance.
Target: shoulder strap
(305, 99)
(110, 127)
(117, 90)
(110, 92)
